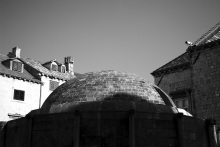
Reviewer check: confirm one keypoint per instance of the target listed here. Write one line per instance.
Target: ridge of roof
(211, 35)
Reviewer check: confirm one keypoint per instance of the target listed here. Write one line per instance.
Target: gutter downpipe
(41, 84)
(40, 95)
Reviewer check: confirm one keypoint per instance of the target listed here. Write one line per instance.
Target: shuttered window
(17, 66)
(53, 85)
(19, 95)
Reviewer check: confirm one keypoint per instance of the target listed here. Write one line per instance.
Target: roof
(181, 60)
(15, 74)
(104, 87)
(212, 35)
(38, 66)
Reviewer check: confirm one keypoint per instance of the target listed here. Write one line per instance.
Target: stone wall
(105, 129)
(202, 78)
(206, 80)
(174, 81)
(106, 85)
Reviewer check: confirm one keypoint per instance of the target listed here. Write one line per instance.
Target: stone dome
(108, 91)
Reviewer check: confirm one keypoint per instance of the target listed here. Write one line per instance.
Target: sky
(135, 36)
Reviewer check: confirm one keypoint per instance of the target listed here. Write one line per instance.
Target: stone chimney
(16, 53)
(68, 61)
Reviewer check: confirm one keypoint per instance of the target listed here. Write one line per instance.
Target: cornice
(19, 78)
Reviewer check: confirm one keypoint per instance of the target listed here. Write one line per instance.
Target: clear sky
(136, 36)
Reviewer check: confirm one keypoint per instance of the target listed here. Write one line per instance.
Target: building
(108, 109)
(193, 78)
(26, 83)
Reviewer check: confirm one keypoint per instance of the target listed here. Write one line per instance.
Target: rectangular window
(182, 103)
(182, 99)
(19, 95)
(53, 85)
(17, 66)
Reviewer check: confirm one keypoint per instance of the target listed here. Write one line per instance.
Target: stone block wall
(174, 81)
(206, 80)
(202, 79)
(106, 128)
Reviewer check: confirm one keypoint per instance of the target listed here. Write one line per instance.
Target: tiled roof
(212, 35)
(15, 74)
(215, 37)
(38, 66)
(181, 60)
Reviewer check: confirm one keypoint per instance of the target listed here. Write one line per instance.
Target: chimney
(15, 53)
(68, 61)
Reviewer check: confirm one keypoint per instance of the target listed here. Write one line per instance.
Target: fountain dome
(108, 90)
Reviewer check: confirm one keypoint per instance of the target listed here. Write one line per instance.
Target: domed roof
(106, 90)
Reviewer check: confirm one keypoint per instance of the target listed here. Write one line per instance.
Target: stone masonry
(104, 85)
(174, 81)
(200, 81)
(205, 70)
(193, 78)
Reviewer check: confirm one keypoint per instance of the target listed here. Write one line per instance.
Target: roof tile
(180, 60)
(212, 35)
(38, 66)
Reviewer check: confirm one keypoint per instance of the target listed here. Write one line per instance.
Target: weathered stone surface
(106, 90)
(206, 81)
(174, 81)
(202, 79)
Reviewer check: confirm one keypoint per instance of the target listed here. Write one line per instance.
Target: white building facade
(26, 83)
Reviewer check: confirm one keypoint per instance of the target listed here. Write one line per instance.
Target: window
(182, 99)
(19, 95)
(53, 85)
(17, 66)
(182, 103)
(54, 67)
